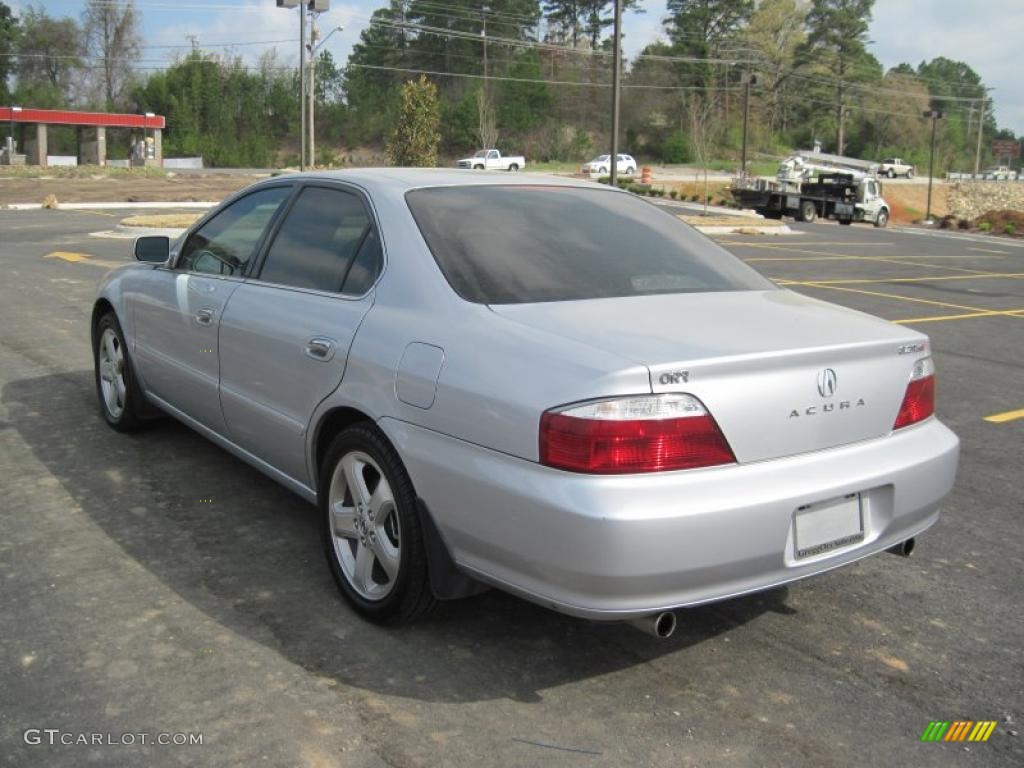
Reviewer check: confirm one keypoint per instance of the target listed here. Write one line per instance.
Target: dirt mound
(1001, 223)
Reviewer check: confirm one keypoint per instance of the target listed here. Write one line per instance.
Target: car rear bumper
(618, 547)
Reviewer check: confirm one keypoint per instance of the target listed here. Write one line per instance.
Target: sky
(988, 37)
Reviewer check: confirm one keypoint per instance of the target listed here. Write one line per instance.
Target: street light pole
(616, 92)
(748, 80)
(314, 33)
(935, 116)
(314, 49)
(302, 87)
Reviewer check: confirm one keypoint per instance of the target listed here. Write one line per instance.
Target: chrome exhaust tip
(659, 625)
(903, 549)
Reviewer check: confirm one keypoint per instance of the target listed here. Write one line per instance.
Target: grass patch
(162, 220)
(79, 172)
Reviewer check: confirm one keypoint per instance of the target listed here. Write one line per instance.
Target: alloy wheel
(112, 378)
(365, 528)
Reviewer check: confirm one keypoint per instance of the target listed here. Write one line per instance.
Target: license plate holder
(828, 525)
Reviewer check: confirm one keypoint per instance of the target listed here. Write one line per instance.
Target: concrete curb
(748, 229)
(123, 232)
(107, 206)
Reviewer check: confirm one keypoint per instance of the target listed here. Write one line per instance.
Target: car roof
(399, 180)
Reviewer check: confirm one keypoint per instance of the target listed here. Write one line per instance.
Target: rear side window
(326, 242)
(226, 243)
(519, 244)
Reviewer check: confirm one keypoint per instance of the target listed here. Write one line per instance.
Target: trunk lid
(781, 373)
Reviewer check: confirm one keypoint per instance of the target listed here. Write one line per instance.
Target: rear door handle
(204, 316)
(320, 348)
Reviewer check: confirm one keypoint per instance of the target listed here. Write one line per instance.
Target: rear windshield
(521, 244)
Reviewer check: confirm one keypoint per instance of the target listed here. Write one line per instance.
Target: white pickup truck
(894, 167)
(491, 160)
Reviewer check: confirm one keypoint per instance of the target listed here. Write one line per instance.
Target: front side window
(326, 242)
(520, 244)
(226, 243)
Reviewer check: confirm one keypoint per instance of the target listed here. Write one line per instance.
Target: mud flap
(447, 582)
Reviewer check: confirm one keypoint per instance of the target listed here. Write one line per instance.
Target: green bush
(984, 226)
(674, 194)
(676, 149)
(1009, 228)
(604, 179)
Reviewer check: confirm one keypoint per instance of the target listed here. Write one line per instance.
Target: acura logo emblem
(827, 382)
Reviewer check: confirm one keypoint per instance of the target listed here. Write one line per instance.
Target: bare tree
(487, 128)
(701, 108)
(112, 36)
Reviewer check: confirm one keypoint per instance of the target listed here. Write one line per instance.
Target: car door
(177, 310)
(286, 332)
(493, 160)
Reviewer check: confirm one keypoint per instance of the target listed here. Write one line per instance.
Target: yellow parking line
(965, 316)
(68, 256)
(82, 258)
(866, 281)
(1000, 418)
(800, 245)
(896, 296)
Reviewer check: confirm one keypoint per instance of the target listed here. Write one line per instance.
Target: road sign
(1006, 148)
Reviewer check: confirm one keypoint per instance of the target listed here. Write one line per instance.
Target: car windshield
(521, 244)
(481, 153)
(601, 159)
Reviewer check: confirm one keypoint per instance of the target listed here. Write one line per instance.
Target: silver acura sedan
(544, 385)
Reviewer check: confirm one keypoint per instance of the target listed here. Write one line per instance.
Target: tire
(882, 218)
(772, 214)
(603, 171)
(631, 171)
(478, 167)
(513, 168)
(846, 222)
(120, 397)
(376, 553)
(910, 174)
(891, 173)
(808, 211)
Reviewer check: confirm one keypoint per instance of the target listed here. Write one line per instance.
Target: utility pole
(302, 87)
(616, 91)
(981, 127)
(302, 74)
(483, 33)
(935, 116)
(748, 80)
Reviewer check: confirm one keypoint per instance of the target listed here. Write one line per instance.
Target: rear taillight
(919, 401)
(650, 433)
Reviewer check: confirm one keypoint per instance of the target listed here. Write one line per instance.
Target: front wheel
(370, 528)
(478, 167)
(891, 174)
(882, 219)
(807, 211)
(631, 171)
(846, 222)
(602, 171)
(119, 394)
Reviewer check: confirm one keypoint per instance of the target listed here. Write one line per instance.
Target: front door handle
(320, 348)
(204, 316)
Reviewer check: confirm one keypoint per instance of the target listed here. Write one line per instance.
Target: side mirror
(153, 249)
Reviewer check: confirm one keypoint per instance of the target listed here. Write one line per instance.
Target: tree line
(529, 76)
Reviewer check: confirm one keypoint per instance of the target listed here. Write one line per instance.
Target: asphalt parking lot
(154, 584)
